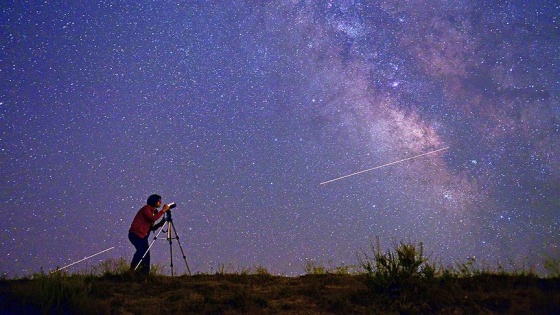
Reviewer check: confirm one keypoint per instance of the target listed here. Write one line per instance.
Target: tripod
(170, 231)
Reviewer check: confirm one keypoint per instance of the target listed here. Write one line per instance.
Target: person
(139, 232)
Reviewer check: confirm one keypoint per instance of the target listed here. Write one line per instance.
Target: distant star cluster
(238, 111)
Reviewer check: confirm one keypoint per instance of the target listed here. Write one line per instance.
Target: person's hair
(153, 199)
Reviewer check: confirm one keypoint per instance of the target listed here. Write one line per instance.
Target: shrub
(387, 272)
(552, 267)
(261, 271)
(469, 269)
(311, 268)
(111, 267)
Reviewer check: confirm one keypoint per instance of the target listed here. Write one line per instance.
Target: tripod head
(167, 216)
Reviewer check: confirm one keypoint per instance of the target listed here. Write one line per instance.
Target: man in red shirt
(139, 231)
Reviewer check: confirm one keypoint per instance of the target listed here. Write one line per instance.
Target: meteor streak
(58, 269)
(380, 166)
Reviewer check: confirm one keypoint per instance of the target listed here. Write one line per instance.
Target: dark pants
(141, 245)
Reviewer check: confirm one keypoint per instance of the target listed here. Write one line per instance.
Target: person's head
(153, 200)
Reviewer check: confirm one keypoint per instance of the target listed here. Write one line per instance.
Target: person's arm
(158, 225)
(154, 217)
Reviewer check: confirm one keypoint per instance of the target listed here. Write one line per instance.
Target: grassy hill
(399, 281)
(266, 294)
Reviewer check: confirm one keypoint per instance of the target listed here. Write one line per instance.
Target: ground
(267, 294)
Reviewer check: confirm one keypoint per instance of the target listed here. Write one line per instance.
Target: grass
(399, 280)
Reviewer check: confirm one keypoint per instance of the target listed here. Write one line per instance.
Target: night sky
(238, 111)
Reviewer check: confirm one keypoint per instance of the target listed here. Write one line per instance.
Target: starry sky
(238, 110)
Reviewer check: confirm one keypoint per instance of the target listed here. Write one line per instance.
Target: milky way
(239, 111)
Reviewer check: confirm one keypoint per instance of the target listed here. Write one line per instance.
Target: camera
(172, 205)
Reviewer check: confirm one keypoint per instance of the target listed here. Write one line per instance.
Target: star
(237, 113)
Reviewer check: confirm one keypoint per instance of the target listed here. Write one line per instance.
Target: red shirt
(144, 219)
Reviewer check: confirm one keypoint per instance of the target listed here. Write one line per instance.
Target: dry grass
(266, 294)
(398, 281)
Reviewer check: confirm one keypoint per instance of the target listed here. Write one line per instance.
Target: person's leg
(141, 245)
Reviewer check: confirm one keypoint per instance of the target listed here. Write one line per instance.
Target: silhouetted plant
(387, 271)
(111, 267)
(552, 266)
(311, 268)
(468, 269)
(261, 271)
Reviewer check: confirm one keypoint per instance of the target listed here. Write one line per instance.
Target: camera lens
(172, 205)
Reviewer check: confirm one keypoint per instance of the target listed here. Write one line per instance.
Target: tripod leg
(169, 238)
(181, 247)
(148, 250)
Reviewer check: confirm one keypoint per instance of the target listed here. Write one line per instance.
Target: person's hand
(165, 208)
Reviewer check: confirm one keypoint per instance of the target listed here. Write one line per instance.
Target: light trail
(79, 261)
(380, 166)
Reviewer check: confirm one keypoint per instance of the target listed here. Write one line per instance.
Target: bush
(552, 266)
(405, 264)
